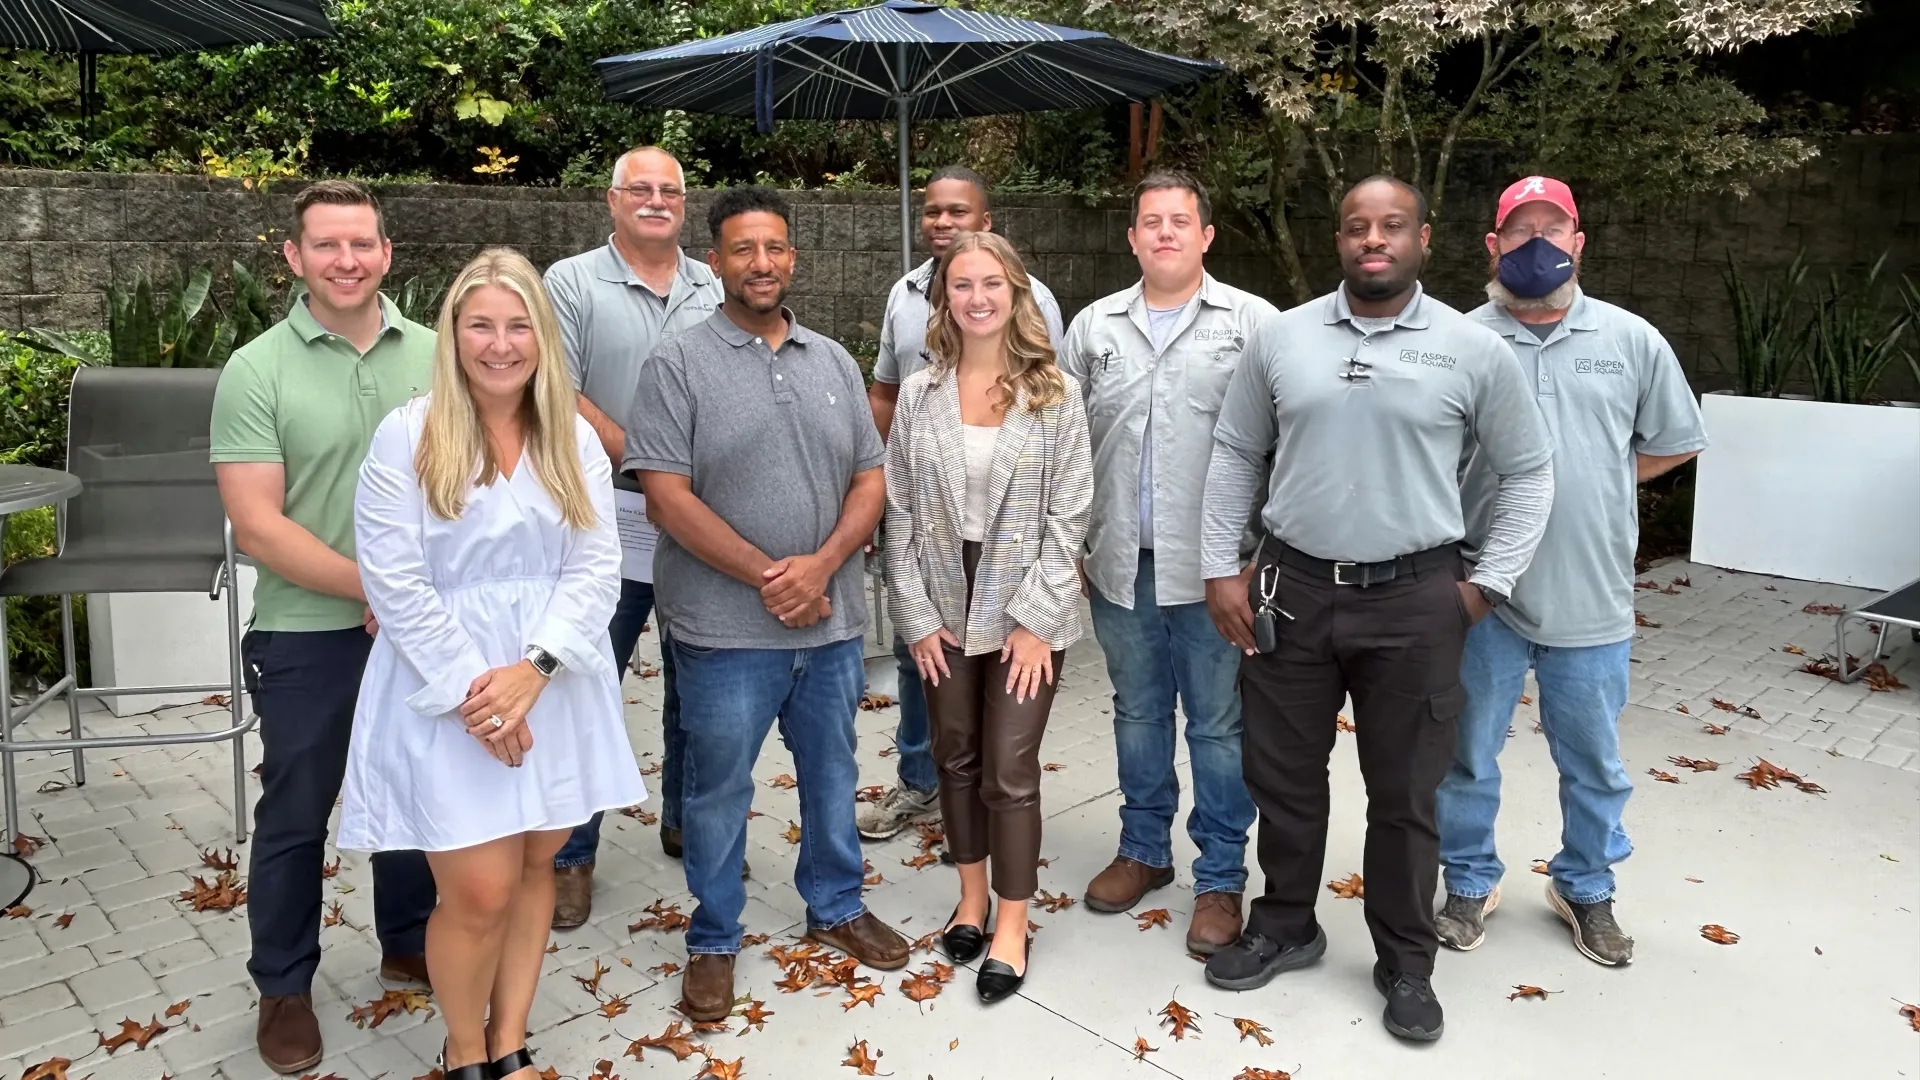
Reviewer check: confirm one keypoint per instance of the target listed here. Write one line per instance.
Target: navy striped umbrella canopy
(903, 59)
(156, 26)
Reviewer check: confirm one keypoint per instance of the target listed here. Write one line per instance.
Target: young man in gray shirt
(1154, 360)
(761, 464)
(1620, 412)
(614, 304)
(956, 201)
(1368, 400)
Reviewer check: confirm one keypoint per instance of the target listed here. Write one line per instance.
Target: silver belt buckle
(1337, 579)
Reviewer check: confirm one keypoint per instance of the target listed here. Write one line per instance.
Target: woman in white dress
(489, 720)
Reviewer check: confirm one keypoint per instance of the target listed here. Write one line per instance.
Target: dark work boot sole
(1161, 878)
(1291, 958)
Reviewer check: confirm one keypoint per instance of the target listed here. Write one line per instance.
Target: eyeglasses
(644, 192)
(1557, 233)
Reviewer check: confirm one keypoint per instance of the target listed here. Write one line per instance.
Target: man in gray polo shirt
(752, 437)
(1154, 360)
(1621, 413)
(614, 304)
(1368, 399)
(956, 202)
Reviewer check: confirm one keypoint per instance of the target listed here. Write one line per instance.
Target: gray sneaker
(897, 809)
(1462, 921)
(1595, 933)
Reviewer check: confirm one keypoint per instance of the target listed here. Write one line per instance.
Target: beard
(1556, 300)
(739, 296)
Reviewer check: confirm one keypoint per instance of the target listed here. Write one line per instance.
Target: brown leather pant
(988, 750)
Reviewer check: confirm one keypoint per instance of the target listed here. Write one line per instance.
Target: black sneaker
(1254, 959)
(1595, 933)
(1413, 1012)
(1462, 922)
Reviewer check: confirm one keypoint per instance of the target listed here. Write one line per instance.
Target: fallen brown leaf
(1530, 992)
(50, 1069)
(1696, 880)
(1252, 1029)
(862, 993)
(1178, 1019)
(1351, 887)
(329, 870)
(920, 987)
(674, 1041)
(663, 917)
(1051, 766)
(1642, 620)
(861, 1061)
(221, 700)
(755, 1014)
(215, 860)
(224, 893)
(333, 916)
(17, 911)
(592, 984)
(1341, 723)
(1540, 866)
(721, 1070)
(1793, 650)
(872, 793)
(1714, 729)
(1526, 699)
(785, 782)
(64, 921)
(132, 1031)
(1683, 709)
(1663, 777)
(792, 835)
(1824, 609)
(754, 940)
(872, 702)
(666, 970)
(25, 845)
(931, 834)
(889, 751)
(1810, 787)
(1684, 582)
(1724, 706)
(920, 861)
(1141, 1049)
(179, 1008)
(1696, 764)
(1911, 1012)
(1157, 917)
(1054, 904)
(613, 1008)
(51, 787)
(375, 1012)
(641, 814)
(548, 1073)
(1719, 935)
(1252, 1073)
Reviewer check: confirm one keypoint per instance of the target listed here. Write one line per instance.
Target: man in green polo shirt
(292, 418)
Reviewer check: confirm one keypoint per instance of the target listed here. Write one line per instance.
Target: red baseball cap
(1535, 189)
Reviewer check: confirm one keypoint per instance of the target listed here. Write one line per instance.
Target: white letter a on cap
(1535, 185)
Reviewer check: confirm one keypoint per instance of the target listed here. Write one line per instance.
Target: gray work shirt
(1609, 387)
(903, 330)
(1368, 469)
(1173, 391)
(610, 320)
(771, 441)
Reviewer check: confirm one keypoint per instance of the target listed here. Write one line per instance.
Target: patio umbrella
(91, 27)
(904, 59)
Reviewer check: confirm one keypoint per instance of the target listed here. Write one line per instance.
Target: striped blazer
(1040, 500)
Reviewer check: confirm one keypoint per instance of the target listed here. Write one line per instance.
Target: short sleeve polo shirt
(610, 320)
(903, 330)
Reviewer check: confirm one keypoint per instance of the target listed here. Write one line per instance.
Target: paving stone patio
(1821, 888)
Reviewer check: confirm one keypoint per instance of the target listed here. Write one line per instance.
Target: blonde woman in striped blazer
(989, 492)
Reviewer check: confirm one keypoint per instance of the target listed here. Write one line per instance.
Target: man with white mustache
(615, 303)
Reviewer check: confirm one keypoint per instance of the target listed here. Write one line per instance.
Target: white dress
(454, 599)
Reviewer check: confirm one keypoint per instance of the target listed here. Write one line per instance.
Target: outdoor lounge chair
(148, 519)
(1901, 607)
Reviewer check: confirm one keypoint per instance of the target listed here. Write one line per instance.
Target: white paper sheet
(637, 535)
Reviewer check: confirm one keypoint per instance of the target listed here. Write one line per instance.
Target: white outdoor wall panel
(151, 639)
(1810, 490)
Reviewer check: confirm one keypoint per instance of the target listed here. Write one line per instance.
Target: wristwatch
(543, 661)
(1493, 597)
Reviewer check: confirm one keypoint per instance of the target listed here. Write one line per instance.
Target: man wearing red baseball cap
(1620, 412)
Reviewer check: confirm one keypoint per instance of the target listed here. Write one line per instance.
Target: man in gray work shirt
(956, 201)
(614, 304)
(1154, 360)
(1368, 399)
(1618, 405)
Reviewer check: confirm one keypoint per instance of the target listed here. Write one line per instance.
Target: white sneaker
(897, 809)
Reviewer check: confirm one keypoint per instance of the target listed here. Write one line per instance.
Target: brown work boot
(706, 990)
(670, 842)
(411, 969)
(289, 1036)
(1121, 885)
(572, 896)
(867, 940)
(1216, 922)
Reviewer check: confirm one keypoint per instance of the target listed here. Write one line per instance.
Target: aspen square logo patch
(1428, 359)
(1599, 367)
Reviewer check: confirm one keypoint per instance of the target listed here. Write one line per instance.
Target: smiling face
(340, 255)
(496, 344)
(648, 199)
(1382, 241)
(754, 259)
(979, 294)
(1168, 238)
(951, 208)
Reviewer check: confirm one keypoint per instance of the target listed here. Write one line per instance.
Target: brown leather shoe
(670, 842)
(289, 1036)
(1216, 922)
(572, 896)
(869, 941)
(1121, 885)
(706, 990)
(411, 969)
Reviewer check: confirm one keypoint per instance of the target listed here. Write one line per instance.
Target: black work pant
(1395, 647)
(304, 684)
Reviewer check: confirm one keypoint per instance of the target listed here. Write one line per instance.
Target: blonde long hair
(454, 452)
(1030, 360)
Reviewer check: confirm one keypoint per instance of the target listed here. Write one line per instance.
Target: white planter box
(1810, 490)
(152, 639)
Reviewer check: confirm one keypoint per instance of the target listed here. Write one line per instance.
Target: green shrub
(33, 399)
(34, 653)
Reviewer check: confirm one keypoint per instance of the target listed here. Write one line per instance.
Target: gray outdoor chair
(148, 519)
(1901, 607)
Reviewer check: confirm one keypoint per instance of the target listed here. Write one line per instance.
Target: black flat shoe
(962, 941)
(998, 980)
(509, 1064)
(479, 1070)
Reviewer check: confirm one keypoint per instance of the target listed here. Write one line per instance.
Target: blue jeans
(1582, 691)
(636, 603)
(730, 698)
(1154, 655)
(913, 738)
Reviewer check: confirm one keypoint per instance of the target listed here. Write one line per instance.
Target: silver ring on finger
(496, 722)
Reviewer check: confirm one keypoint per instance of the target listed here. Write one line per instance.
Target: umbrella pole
(906, 191)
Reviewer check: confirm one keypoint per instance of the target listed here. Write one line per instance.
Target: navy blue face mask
(1535, 269)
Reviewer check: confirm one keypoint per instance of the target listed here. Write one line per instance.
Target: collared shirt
(1175, 391)
(1367, 468)
(610, 320)
(306, 398)
(771, 441)
(1609, 387)
(903, 330)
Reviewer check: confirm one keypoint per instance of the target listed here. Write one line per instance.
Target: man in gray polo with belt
(956, 202)
(615, 303)
(1154, 360)
(1621, 413)
(1369, 399)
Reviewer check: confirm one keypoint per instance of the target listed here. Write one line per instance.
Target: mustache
(650, 212)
